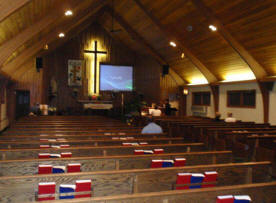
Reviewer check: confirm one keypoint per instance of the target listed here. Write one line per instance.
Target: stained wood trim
(12, 66)
(265, 96)
(137, 37)
(254, 65)
(9, 7)
(201, 67)
(10, 46)
(215, 93)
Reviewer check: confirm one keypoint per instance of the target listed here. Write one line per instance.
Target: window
(201, 98)
(241, 98)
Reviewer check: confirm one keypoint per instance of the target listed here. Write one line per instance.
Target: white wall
(4, 122)
(244, 114)
(272, 106)
(210, 109)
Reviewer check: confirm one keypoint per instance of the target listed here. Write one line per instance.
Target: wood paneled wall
(147, 71)
(28, 79)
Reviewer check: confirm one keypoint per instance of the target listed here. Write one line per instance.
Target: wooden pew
(78, 136)
(75, 143)
(258, 192)
(118, 182)
(30, 166)
(12, 154)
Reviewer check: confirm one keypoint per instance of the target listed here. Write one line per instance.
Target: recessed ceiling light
(212, 27)
(173, 44)
(182, 55)
(61, 35)
(68, 13)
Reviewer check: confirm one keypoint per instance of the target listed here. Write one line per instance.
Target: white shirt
(156, 112)
(230, 120)
(152, 128)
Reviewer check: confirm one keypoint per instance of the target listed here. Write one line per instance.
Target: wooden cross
(95, 52)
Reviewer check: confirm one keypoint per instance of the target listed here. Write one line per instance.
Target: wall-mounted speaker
(39, 63)
(165, 70)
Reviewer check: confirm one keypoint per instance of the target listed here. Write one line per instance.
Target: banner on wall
(75, 72)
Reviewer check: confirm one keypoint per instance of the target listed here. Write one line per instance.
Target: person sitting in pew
(151, 128)
(230, 118)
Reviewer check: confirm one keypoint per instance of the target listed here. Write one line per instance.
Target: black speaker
(165, 70)
(39, 63)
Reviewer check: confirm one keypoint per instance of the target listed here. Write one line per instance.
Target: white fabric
(152, 128)
(230, 120)
(156, 112)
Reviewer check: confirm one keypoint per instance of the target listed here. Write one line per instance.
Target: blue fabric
(152, 128)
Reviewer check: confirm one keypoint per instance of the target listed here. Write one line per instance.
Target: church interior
(80, 80)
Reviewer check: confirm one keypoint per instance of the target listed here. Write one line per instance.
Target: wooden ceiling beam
(11, 67)
(12, 45)
(201, 67)
(255, 66)
(78, 29)
(141, 40)
(8, 7)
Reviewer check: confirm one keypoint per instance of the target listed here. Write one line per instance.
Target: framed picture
(75, 72)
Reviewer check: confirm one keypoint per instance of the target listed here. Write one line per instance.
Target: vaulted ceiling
(243, 47)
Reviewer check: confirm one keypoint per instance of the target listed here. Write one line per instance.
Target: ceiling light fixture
(212, 27)
(173, 44)
(61, 35)
(68, 13)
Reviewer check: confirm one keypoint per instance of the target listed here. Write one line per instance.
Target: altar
(97, 105)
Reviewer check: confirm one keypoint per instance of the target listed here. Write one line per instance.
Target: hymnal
(66, 154)
(74, 167)
(167, 163)
(138, 151)
(83, 186)
(242, 199)
(52, 140)
(126, 144)
(196, 178)
(148, 152)
(179, 162)
(66, 188)
(210, 176)
(58, 169)
(156, 163)
(43, 155)
(48, 189)
(55, 146)
(225, 199)
(64, 146)
(183, 178)
(55, 156)
(45, 169)
(158, 151)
